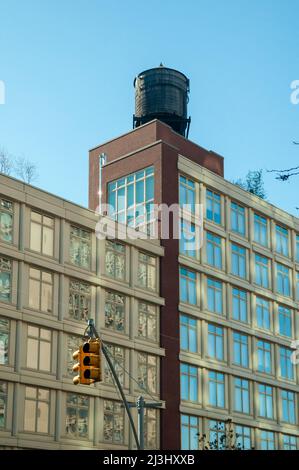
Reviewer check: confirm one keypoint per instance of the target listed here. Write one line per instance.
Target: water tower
(162, 93)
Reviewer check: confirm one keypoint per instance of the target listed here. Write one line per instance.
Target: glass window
(262, 313)
(38, 348)
(147, 372)
(282, 240)
(77, 411)
(240, 349)
(262, 271)
(285, 321)
(131, 199)
(214, 255)
(265, 401)
(6, 220)
(264, 357)
(187, 286)
(214, 296)
(237, 218)
(79, 300)
(238, 261)
(217, 434)
(188, 333)
(4, 339)
(283, 280)
(188, 239)
(260, 230)
(297, 285)
(147, 268)
(187, 194)
(41, 233)
(289, 442)
(189, 432)
(117, 356)
(239, 305)
(241, 394)
(73, 343)
(115, 311)
(3, 404)
(150, 428)
(213, 202)
(113, 422)
(40, 290)
(80, 247)
(288, 406)
(5, 279)
(36, 415)
(267, 440)
(216, 389)
(147, 321)
(297, 248)
(243, 437)
(189, 382)
(286, 366)
(115, 260)
(215, 342)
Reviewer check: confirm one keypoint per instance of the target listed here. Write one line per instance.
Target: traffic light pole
(93, 333)
(141, 405)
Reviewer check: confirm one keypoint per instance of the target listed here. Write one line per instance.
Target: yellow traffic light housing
(89, 363)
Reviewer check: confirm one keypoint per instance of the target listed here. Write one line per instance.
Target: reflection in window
(117, 356)
(79, 300)
(3, 401)
(115, 260)
(286, 366)
(80, 247)
(4, 338)
(262, 313)
(146, 271)
(217, 434)
(237, 218)
(283, 280)
(239, 305)
(5, 279)
(77, 410)
(265, 400)
(188, 333)
(189, 432)
(260, 230)
(267, 440)
(115, 311)
(113, 422)
(187, 286)
(187, 194)
(189, 382)
(131, 199)
(213, 204)
(147, 321)
(73, 343)
(6, 220)
(150, 428)
(147, 372)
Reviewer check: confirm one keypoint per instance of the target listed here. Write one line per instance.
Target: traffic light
(89, 363)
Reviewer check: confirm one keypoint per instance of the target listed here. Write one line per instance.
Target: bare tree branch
(6, 162)
(26, 170)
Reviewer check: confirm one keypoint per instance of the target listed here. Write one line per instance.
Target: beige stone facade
(54, 274)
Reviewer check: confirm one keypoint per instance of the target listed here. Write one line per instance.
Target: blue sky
(69, 65)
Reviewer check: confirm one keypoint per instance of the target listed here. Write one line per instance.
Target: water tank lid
(164, 68)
